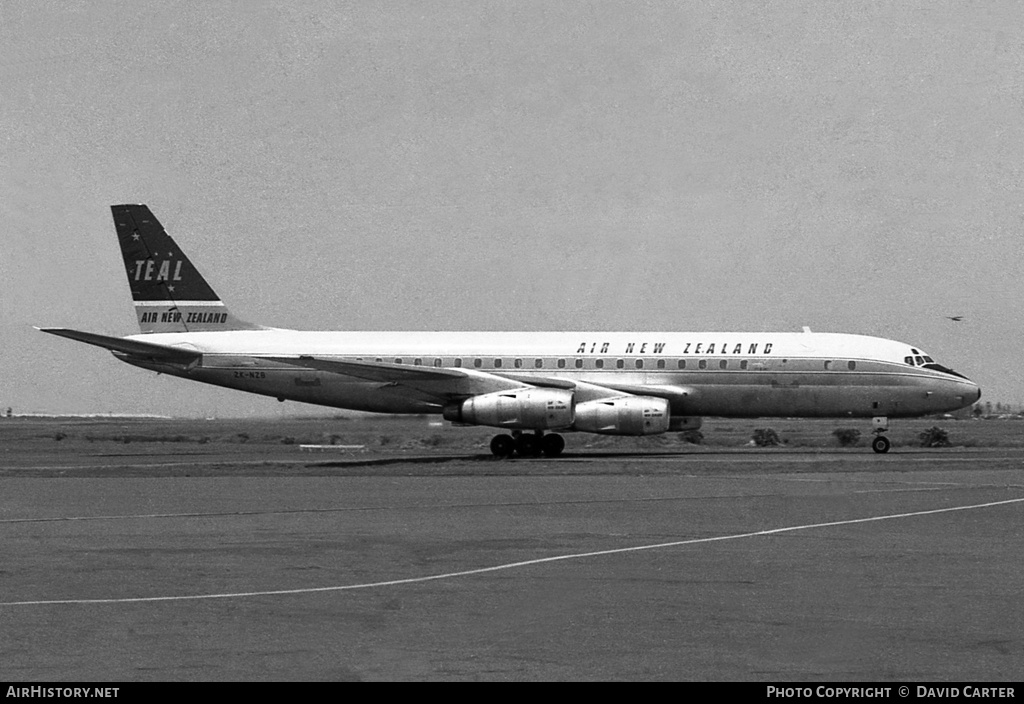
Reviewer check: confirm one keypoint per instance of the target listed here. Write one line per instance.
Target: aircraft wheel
(881, 444)
(552, 445)
(527, 445)
(503, 445)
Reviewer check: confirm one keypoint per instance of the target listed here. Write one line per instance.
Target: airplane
(532, 385)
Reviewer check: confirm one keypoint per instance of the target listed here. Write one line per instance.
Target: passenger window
(398, 360)
(561, 364)
(661, 364)
(851, 365)
(518, 364)
(378, 359)
(639, 364)
(703, 364)
(538, 363)
(599, 363)
(458, 361)
(418, 361)
(620, 363)
(579, 363)
(723, 364)
(682, 364)
(437, 361)
(743, 364)
(478, 362)
(828, 364)
(497, 363)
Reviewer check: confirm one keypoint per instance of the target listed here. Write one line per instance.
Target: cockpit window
(920, 359)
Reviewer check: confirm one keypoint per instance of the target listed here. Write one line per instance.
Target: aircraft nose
(965, 392)
(972, 393)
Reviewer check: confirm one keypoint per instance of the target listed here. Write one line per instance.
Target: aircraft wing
(443, 382)
(666, 391)
(449, 383)
(374, 371)
(134, 348)
(544, 382)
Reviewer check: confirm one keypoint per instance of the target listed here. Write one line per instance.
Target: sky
(470, 165)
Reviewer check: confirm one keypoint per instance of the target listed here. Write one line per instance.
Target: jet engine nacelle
(623, 415)
(522, 409)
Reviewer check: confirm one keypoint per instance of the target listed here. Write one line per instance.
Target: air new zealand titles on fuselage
(688, 347)
(533, 385)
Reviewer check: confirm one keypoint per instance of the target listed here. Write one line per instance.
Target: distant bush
(242, 437)
(694, 437)
(766, 437)
(59, 436)
(847, 437)
(288, 441)
(934, 437)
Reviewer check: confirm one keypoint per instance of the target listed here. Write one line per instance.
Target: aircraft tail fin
(169, 293)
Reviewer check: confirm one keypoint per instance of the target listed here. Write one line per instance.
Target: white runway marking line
(507, 566)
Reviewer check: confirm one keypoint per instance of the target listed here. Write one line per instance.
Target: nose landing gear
(881, 443)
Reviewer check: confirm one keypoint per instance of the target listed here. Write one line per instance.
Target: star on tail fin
(169, 293)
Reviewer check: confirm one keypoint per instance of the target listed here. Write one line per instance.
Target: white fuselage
(702, 373)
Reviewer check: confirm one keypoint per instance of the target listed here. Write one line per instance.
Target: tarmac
(761, 565)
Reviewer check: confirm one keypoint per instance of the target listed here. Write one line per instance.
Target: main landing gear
(881, 443)
(527, 445)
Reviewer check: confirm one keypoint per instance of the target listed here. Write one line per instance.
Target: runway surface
(743, 565)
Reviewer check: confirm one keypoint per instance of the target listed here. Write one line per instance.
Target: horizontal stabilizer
(135, 348)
